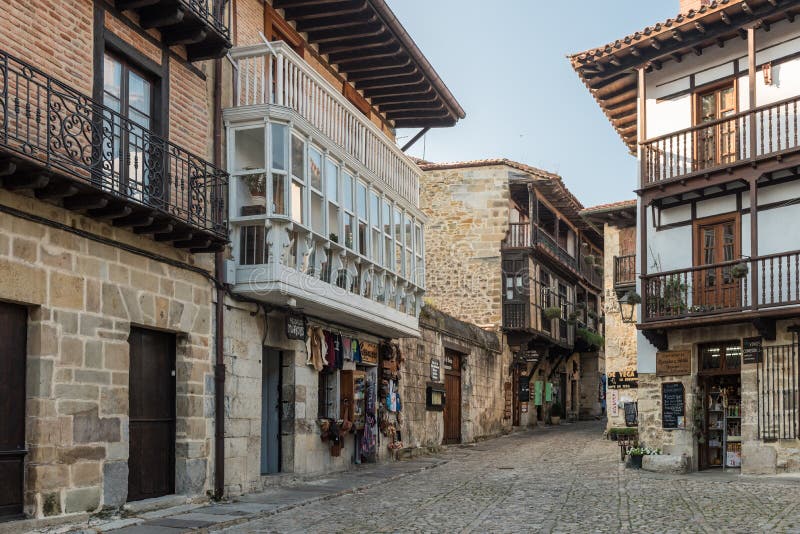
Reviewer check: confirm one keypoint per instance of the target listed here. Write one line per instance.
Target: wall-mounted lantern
(627, 306)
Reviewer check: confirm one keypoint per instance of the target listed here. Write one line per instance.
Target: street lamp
(627, 306)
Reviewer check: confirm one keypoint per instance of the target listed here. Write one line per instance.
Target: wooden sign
(623, 380)
(295, 326)
(631, 414)
(674, 363)
(369, 353)
(752, 350)
(673, 405)
(436, 370)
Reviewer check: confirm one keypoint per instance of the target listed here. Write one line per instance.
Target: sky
(505, 62)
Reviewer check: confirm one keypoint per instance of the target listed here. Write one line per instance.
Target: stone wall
(620, 347)
(83, 296)
(485, 369)
(592, 368)
(468, 214)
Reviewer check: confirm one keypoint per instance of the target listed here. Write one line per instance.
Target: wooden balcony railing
(274, 74)
(723, 143)
(526, 311)
(723, 287)
(519, 236)
(624, 271)
(549, 242)
(91, 158)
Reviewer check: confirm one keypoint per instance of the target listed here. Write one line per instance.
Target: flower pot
(555, 420)
(636, 461)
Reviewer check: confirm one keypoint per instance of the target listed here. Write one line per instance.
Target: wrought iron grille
(778, 407)
(51, 124)
(212, 12)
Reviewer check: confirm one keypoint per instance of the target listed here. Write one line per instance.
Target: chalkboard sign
(631, 414)
(524, 389)
(673, 405)
(295, 326)
(751, 350)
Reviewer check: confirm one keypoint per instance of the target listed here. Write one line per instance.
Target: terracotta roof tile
(613, 206)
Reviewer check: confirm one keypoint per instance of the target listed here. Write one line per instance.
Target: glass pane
(348, 231)
(376, 246)
(409, 232)
(278, 194)
(387, 252)
(298, 156)
(398, 257)
(709, 239)
(315, 168)
(418, 240)
(332, 183)
(387, 218)
(251, 193)
(248, 149)
(374, 205)
(361, 201)
(347, 191)
(140, 119)
(708, 107)
(317, 213)
(362, 238)
(139, 91)
(710, 357)
(279, 133)
(112, 76)
(726, 100)
(333, 222)
(297, 202)
(398, 225)
(733, 356)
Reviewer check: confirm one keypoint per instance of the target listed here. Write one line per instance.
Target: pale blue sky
(505, 63)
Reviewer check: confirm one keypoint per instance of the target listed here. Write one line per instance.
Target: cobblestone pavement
(565, 479)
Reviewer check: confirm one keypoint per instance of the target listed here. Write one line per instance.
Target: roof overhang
(610, 71)
(621, 214)
(369, 45)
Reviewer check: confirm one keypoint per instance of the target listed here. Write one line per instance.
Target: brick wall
(468, 214)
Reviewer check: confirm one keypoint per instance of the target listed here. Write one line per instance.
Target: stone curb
(267, 513)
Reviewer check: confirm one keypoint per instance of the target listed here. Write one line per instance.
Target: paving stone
(175, 522)
(149, 529)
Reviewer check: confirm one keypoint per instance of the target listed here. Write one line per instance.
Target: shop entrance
(452, 403)
(271, 385)
(13, 335)
(720, 441)
(151, 461)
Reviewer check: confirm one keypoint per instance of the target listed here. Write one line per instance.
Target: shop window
(328, 395)
(720, 357)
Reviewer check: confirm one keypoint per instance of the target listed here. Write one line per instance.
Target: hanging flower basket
(552, 313)
(633, 297)
(740, 270)
(598, 269)
(589, 259)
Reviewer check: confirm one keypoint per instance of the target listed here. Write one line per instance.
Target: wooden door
(151, 462)
(13, 336)
(717, 242)
(271, 412)
(716, 144)
(452, 405)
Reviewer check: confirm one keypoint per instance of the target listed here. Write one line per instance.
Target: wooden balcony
(201, 25)
(624, 272)
(273, 76)
(766, 134)
(68, 149)
(526, 313)
(723, 292)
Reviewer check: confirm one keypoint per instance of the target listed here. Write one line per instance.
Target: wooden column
(533, 215)
(751, 79)
(641, 132)
(754, 242)
(751, 82)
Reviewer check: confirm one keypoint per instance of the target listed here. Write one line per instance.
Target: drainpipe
(219, 268)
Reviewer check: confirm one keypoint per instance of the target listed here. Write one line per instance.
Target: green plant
(632, 297)
(739, 270)
(334, 238)
(553, 312)
(643, 451)
(256, 183)
(592, 314)
(589, 259)
(623, 431)
(593, 339)
(670, 295)
(555, 409)
(598, 268)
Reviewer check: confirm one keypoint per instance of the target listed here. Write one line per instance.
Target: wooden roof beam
(395, 81)
(333, 48)
(342, 58)
(341, 8)
(382, 73)
(333, 22)
(339, 33)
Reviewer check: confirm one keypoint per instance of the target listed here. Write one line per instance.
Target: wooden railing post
(279, 67)
(751, 78)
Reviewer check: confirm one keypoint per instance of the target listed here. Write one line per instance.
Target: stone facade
(83, 296)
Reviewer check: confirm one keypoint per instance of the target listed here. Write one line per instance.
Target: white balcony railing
(273, 74)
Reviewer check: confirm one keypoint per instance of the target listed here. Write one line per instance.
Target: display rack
(733, 430)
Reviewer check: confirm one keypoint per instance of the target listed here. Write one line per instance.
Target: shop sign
(631, 413)
(369, 353)
(673, 405)
(295, 326)
(752, 350)
(448, 361)
(436, 370)
(674, 363)
(537, 393)
(623, 380)
(548, 392)
(524, 394)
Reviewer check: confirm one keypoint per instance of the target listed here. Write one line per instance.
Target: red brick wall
(190, 109)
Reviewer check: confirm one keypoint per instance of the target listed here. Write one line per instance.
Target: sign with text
(631, 413)
(436, 370)
(623, 380)
(448, 361)
(752, 350)
(673, 405)
(295, 326)
(369, 353)
(674, 363)
(524, 393)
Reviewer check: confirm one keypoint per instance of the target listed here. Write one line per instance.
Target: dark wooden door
(151, 464)
(270, 412)
(452, 404)
(13, 335)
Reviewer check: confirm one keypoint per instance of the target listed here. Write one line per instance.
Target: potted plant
(572, 318)
(553, 312)
(589, 259)
(637, 453)
(256, 184)
(739, 270)
(334, 238)
(555, 413)
(598, 269)
(632, 297)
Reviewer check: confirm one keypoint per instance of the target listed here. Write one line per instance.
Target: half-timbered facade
(708, 103)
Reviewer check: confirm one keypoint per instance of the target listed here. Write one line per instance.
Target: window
(328, 395)
(720, 357)
(253, 248)
(315, 182)
(131, 95)
(409, 251)
(398, 239)
(361, 209)
(279, 135)
(249, 171)
(387, 235)
(332, 192)
(375, 221)
(347, 202)
(716, 144)
(419, 248)
(296, 207)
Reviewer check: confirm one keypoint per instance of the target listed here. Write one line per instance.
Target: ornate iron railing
(211, 12)
(778, 383)
(45, 121)
(625, 270)
(723, 287)
(765, 131)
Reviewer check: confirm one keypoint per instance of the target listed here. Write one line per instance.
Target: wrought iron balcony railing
(763, 132)
(723, 287)
(67, 147)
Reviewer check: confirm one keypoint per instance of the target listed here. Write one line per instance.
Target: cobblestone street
(550, 480)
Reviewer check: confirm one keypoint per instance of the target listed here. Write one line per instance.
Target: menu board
(631, 413)
(751, 350)
(673, 405)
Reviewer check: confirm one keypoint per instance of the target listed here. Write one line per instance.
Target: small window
(720, 357)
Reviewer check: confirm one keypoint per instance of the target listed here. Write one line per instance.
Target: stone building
(507, 250)
(706, 102)
(109, 211)
(618, 221)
